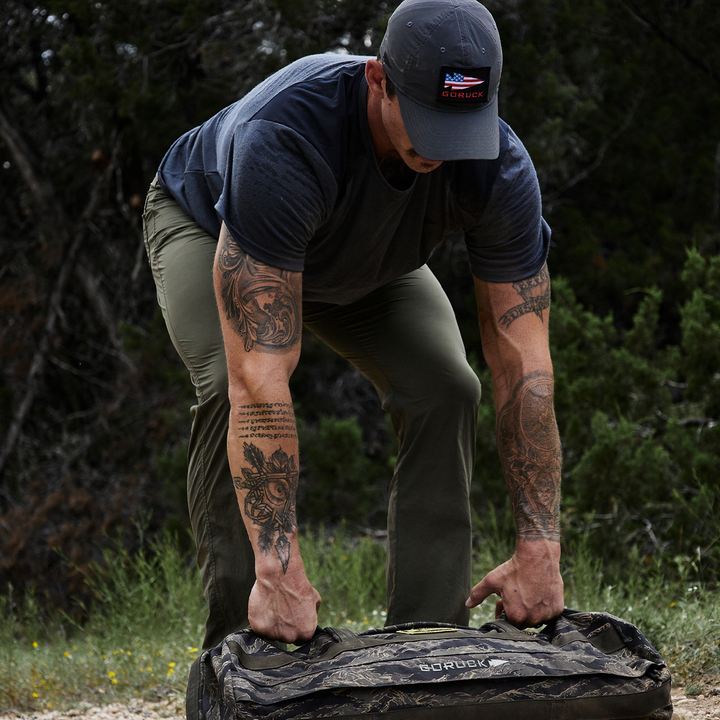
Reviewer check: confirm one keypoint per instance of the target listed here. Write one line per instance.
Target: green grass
(682, 620)
(143, 631)
(139, 638)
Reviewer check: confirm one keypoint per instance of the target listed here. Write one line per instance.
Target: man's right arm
(261, 318)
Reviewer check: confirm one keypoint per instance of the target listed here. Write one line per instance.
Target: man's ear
(375, 76)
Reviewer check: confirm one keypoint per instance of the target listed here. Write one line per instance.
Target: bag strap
(608, 641)
(346, 639)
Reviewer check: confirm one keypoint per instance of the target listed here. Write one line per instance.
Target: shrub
(640, 426)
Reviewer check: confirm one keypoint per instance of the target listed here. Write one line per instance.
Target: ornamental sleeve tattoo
(259, 301)
(529, 446)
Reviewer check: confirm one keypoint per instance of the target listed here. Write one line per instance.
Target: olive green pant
(405, 340)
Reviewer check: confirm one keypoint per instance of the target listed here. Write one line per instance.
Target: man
(316, 200)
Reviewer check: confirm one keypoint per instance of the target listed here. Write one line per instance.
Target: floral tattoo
(271, 486)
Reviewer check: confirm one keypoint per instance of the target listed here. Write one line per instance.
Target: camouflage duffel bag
(581, 666)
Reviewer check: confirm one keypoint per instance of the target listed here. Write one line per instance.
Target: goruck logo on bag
(457, 664)
(464, 86)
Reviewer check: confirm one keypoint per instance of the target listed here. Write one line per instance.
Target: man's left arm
(514, 328)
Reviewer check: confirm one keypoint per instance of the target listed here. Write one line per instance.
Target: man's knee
(444, 394)
(455, 388)
(467, 386)
(211, 382)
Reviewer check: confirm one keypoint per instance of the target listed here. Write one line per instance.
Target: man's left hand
(529, 585)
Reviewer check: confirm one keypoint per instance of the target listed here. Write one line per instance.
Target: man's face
(398, 136)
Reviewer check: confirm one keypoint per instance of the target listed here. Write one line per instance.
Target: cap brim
(442, 135)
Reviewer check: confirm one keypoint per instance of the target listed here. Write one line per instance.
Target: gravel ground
(700, 707)
(140, 709)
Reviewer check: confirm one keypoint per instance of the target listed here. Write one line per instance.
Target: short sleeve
(277, 190)
(511, 238)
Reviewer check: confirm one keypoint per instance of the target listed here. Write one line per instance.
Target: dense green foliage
(618, 102)
(640, 445)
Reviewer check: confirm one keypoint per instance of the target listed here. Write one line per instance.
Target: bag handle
(344, 640)
(510, 632)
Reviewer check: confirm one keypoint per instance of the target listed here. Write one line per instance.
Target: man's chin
(428, 167)
(422, 165)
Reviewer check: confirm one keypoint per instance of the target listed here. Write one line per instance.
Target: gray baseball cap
(445, 60)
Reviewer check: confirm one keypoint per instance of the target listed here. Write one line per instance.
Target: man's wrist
(268, 565)
(544, 548)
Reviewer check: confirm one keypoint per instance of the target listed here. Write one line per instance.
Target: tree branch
(636, 14)
(578, 177)
(41, 189)
(37, 364)
(103, 310)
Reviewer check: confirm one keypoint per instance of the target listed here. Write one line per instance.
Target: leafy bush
(640, 426)
(340, 481)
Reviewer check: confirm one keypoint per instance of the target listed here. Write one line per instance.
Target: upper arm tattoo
(535, 292)
(259, 300)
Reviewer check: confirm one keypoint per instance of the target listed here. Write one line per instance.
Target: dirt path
(700, 707)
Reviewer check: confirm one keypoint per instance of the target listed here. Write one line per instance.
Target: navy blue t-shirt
(292, 172)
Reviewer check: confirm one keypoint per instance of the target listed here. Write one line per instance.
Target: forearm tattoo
(529, 445)
(266, 420)
(535, 292)
(271, 486)
(259, 301)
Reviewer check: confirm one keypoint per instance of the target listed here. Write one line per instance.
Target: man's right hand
(284, 608)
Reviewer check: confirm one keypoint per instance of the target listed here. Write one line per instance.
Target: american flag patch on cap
(465, 86)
